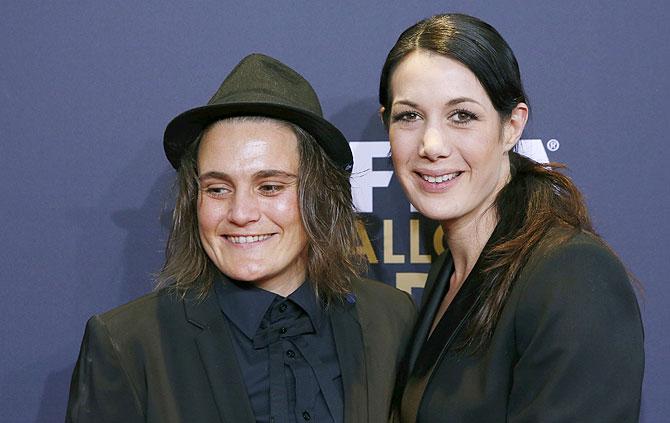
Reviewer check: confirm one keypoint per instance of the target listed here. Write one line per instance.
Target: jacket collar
(349, 341)
(218, 358)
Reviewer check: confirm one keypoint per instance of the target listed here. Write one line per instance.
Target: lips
(247, 239)
(440, 178)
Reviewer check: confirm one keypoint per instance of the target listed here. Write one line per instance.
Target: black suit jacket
(162, 359)
(568, 346)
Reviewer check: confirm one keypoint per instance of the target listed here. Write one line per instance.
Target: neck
(283, 288)
(286, 284)
(466, 239)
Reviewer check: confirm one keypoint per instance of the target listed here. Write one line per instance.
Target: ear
(514, 125)
(381, 111)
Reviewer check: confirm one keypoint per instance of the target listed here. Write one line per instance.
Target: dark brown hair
(536, 200)
(327, 213)
(470, 41)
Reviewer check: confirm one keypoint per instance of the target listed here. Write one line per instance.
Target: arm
(580, 341)
(100, 390)
(408, 314)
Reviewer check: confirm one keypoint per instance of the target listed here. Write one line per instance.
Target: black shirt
(286, 353)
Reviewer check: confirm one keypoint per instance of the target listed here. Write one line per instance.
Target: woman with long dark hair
(527, 316)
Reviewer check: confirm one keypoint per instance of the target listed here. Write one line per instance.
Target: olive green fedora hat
(260, 86)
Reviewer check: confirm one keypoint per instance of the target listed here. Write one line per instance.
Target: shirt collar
(306, 298)
(245, 305)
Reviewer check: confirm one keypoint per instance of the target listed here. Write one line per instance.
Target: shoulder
(371, 291)
(582, 262)
(383, 300)
(578, 280)
(142, 307)
(576, 335)
(140, 317)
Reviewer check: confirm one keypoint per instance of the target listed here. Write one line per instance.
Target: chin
(432, 209)
(242, 275)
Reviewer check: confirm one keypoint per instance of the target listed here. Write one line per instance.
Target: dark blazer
(162, 359)
(568, 346)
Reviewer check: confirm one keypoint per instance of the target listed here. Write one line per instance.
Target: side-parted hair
(327, 212)
(536, 200)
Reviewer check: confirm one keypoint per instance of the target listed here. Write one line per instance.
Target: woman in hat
(527, 316)
(263, 315)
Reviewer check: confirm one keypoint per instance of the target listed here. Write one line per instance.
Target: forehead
(239, 146)
(424, 74)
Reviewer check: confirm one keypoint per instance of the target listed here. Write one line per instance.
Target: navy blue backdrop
(87, 87)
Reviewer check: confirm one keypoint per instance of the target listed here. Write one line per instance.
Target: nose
(434, 144)
(244, 209)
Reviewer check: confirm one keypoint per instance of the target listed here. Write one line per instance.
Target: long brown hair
(537, 198)
(327, 213)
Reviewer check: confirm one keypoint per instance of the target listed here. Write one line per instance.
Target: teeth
(441, 178)
(247, 239)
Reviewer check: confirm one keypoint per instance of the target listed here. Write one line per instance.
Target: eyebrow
(274, 172)
(452, 102)
(268, 173)
(459, 100)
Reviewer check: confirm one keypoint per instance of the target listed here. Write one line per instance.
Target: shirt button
(306, 416)
(283, 330)
(282, 307)
(290, 353)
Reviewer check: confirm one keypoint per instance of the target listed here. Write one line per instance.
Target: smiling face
(449, 145)
(248, 211)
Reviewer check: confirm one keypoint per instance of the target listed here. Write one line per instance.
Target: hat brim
(186, 127)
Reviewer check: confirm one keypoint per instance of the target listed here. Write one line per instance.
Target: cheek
(401, 152)
(485, 163)
(284, 210)
(481, 152)
(208, 215)
(291, 218)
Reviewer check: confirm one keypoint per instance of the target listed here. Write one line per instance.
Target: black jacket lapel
(430, 353)
(454, 320)
(436, 287)
(351, 354)
(457, 314)
(436, 283)
(218, 357)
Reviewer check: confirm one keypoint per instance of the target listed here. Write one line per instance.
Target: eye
(216, 191)
(406, 116)
(462, 117)
(270, 189)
